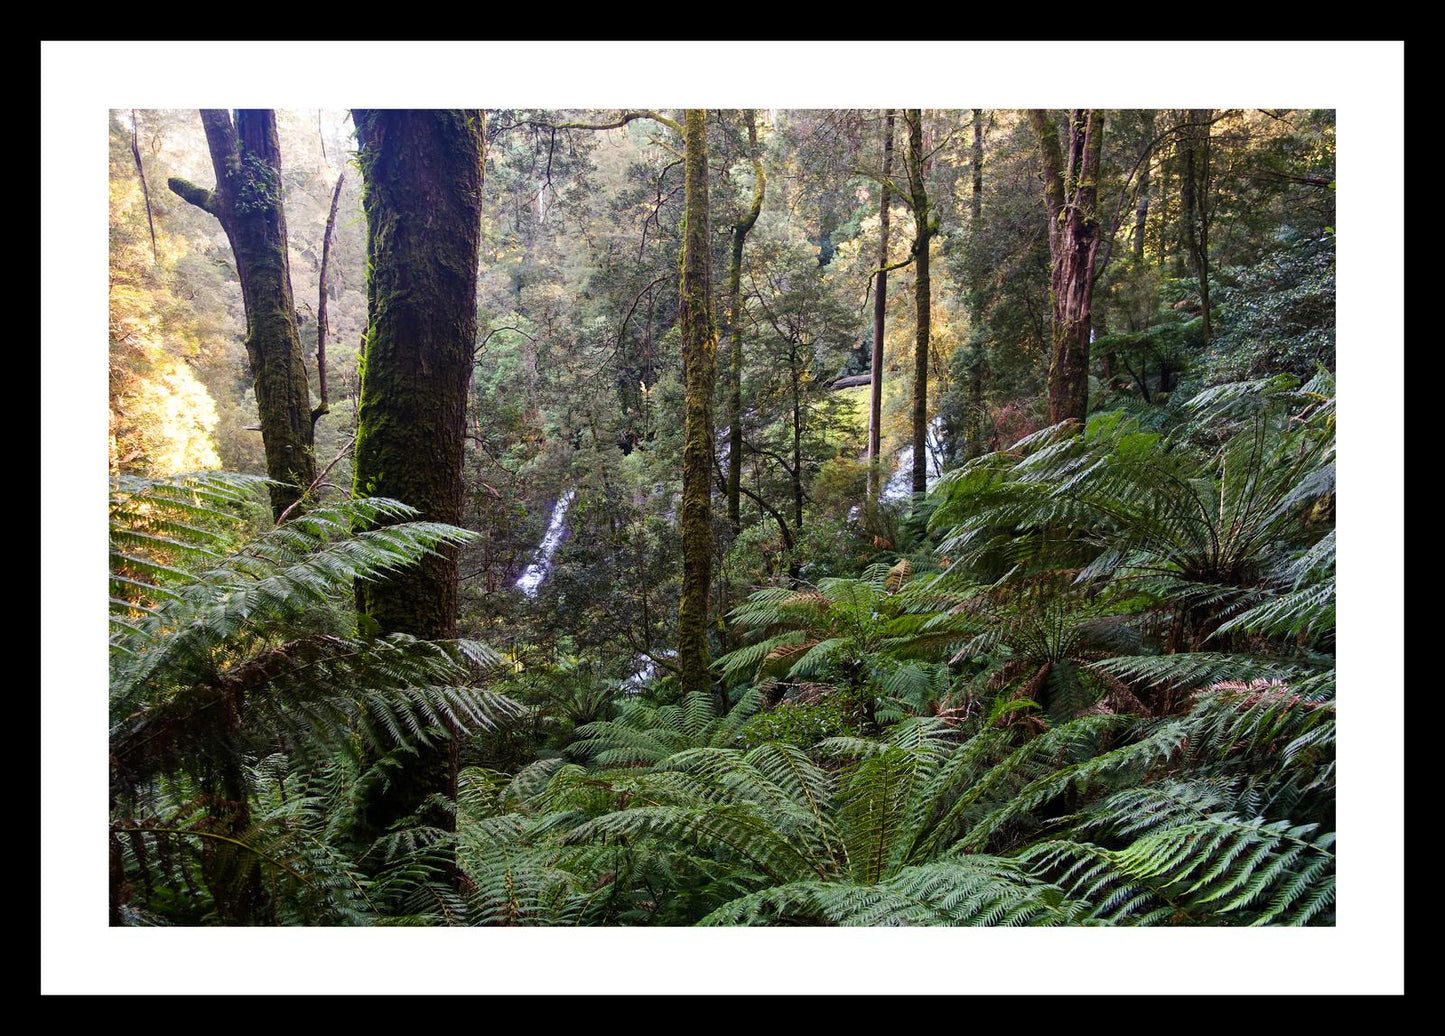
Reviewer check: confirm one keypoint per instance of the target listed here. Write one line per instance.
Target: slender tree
(976, 198)
(925, 226)
(1070, 198)
(735, 327)
(977, 367)
(880, 301)
(422, 195)
(1194, 195)
(1141, 209)
(699, 363)
(246, 157)
(145, 190)
(324, 406)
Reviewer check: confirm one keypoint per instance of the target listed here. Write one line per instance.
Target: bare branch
(622, 120)
(320, 479)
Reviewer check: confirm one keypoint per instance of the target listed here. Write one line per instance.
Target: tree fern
(229, 651)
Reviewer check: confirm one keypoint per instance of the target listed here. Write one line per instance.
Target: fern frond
(973, 890)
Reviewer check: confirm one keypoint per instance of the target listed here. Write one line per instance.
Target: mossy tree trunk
(1070, 197)
(1196, 142)
(246, 156)
(1141, 209)
(924, 229)
(735, 330)
(795, 380)
(975, 201)
(880, 311)
(699, 362)
(422, 196)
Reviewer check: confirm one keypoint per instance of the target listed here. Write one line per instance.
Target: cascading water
(900, 484)
(538, 570)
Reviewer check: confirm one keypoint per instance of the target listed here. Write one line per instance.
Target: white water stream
(538, 570)
(900, 484)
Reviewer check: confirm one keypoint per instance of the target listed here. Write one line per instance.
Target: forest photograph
(816, 516)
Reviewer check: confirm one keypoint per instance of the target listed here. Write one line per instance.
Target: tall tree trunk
(1163, 221)
(699, 362)
(976, 200)
(144, 187)
(324, 406)
(735, 330)
(1070, 196)
(1188, 217)
(978, 368)
(880, 311)
(247, 201)
(923, 306)
(797, 473)
(423, 203)
(1141, 209)
(1199, 143)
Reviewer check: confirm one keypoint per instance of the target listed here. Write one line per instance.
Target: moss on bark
(699, 362)
(246, 157)
(423, 204)
(735, 331)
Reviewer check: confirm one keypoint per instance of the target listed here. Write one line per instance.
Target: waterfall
(900, 484)
(537, 571)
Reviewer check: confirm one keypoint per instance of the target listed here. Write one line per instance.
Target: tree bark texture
(1141, 210)
(247, 201)
(795, 372)
(735, 330)
(699, 364)
(422, 196)
(976, 199)
(1197, 144)
(1070, 197)
(923, 232)
(880, 312)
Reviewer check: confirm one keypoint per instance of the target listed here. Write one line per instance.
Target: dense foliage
(1087, 678)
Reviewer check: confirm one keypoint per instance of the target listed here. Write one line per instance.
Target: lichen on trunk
(246, 157)
(735, 330)
(699, 363)
(422, 196)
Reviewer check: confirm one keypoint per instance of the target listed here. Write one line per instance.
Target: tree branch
(505, 327)
(782, 522)
(195, 194)
(622, 120)
(319, 478)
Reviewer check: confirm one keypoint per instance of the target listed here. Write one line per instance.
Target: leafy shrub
(803, 725)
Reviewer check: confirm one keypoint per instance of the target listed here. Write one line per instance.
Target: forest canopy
(732, 516)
